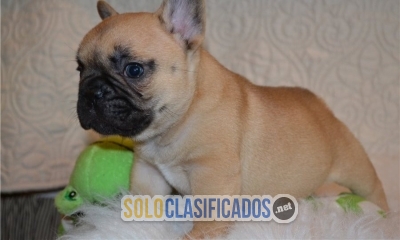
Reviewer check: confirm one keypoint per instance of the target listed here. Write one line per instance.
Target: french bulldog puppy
(201, 128)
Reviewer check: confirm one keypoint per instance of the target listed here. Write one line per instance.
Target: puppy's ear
(105, 10)
(185, 19)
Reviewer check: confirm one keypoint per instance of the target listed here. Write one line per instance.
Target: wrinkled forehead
(123, 34)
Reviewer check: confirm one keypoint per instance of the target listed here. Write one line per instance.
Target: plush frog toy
(101, 172)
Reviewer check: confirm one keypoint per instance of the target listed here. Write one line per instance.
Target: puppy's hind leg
(353, 169)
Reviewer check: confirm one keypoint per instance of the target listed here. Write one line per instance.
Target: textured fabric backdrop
(346, 51)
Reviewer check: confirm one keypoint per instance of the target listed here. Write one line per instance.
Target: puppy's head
(137, 70)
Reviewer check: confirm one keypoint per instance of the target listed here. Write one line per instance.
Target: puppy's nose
(99, 93)
(98, 89)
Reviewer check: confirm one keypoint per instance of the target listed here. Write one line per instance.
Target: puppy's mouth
(110, 110)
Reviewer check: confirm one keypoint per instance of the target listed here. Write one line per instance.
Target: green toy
(101, 172)
(349, 203)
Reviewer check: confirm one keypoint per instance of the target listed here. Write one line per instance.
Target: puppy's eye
(134, 70)
(80, 65)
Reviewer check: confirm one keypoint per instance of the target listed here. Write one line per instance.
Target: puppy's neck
(212, 77)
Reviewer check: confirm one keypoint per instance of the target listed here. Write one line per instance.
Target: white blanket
(327, 221)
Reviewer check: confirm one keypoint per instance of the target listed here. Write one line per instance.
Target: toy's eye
(133, 70)
(72, 194)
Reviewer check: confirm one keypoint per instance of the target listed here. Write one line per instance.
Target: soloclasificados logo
(283, 208)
